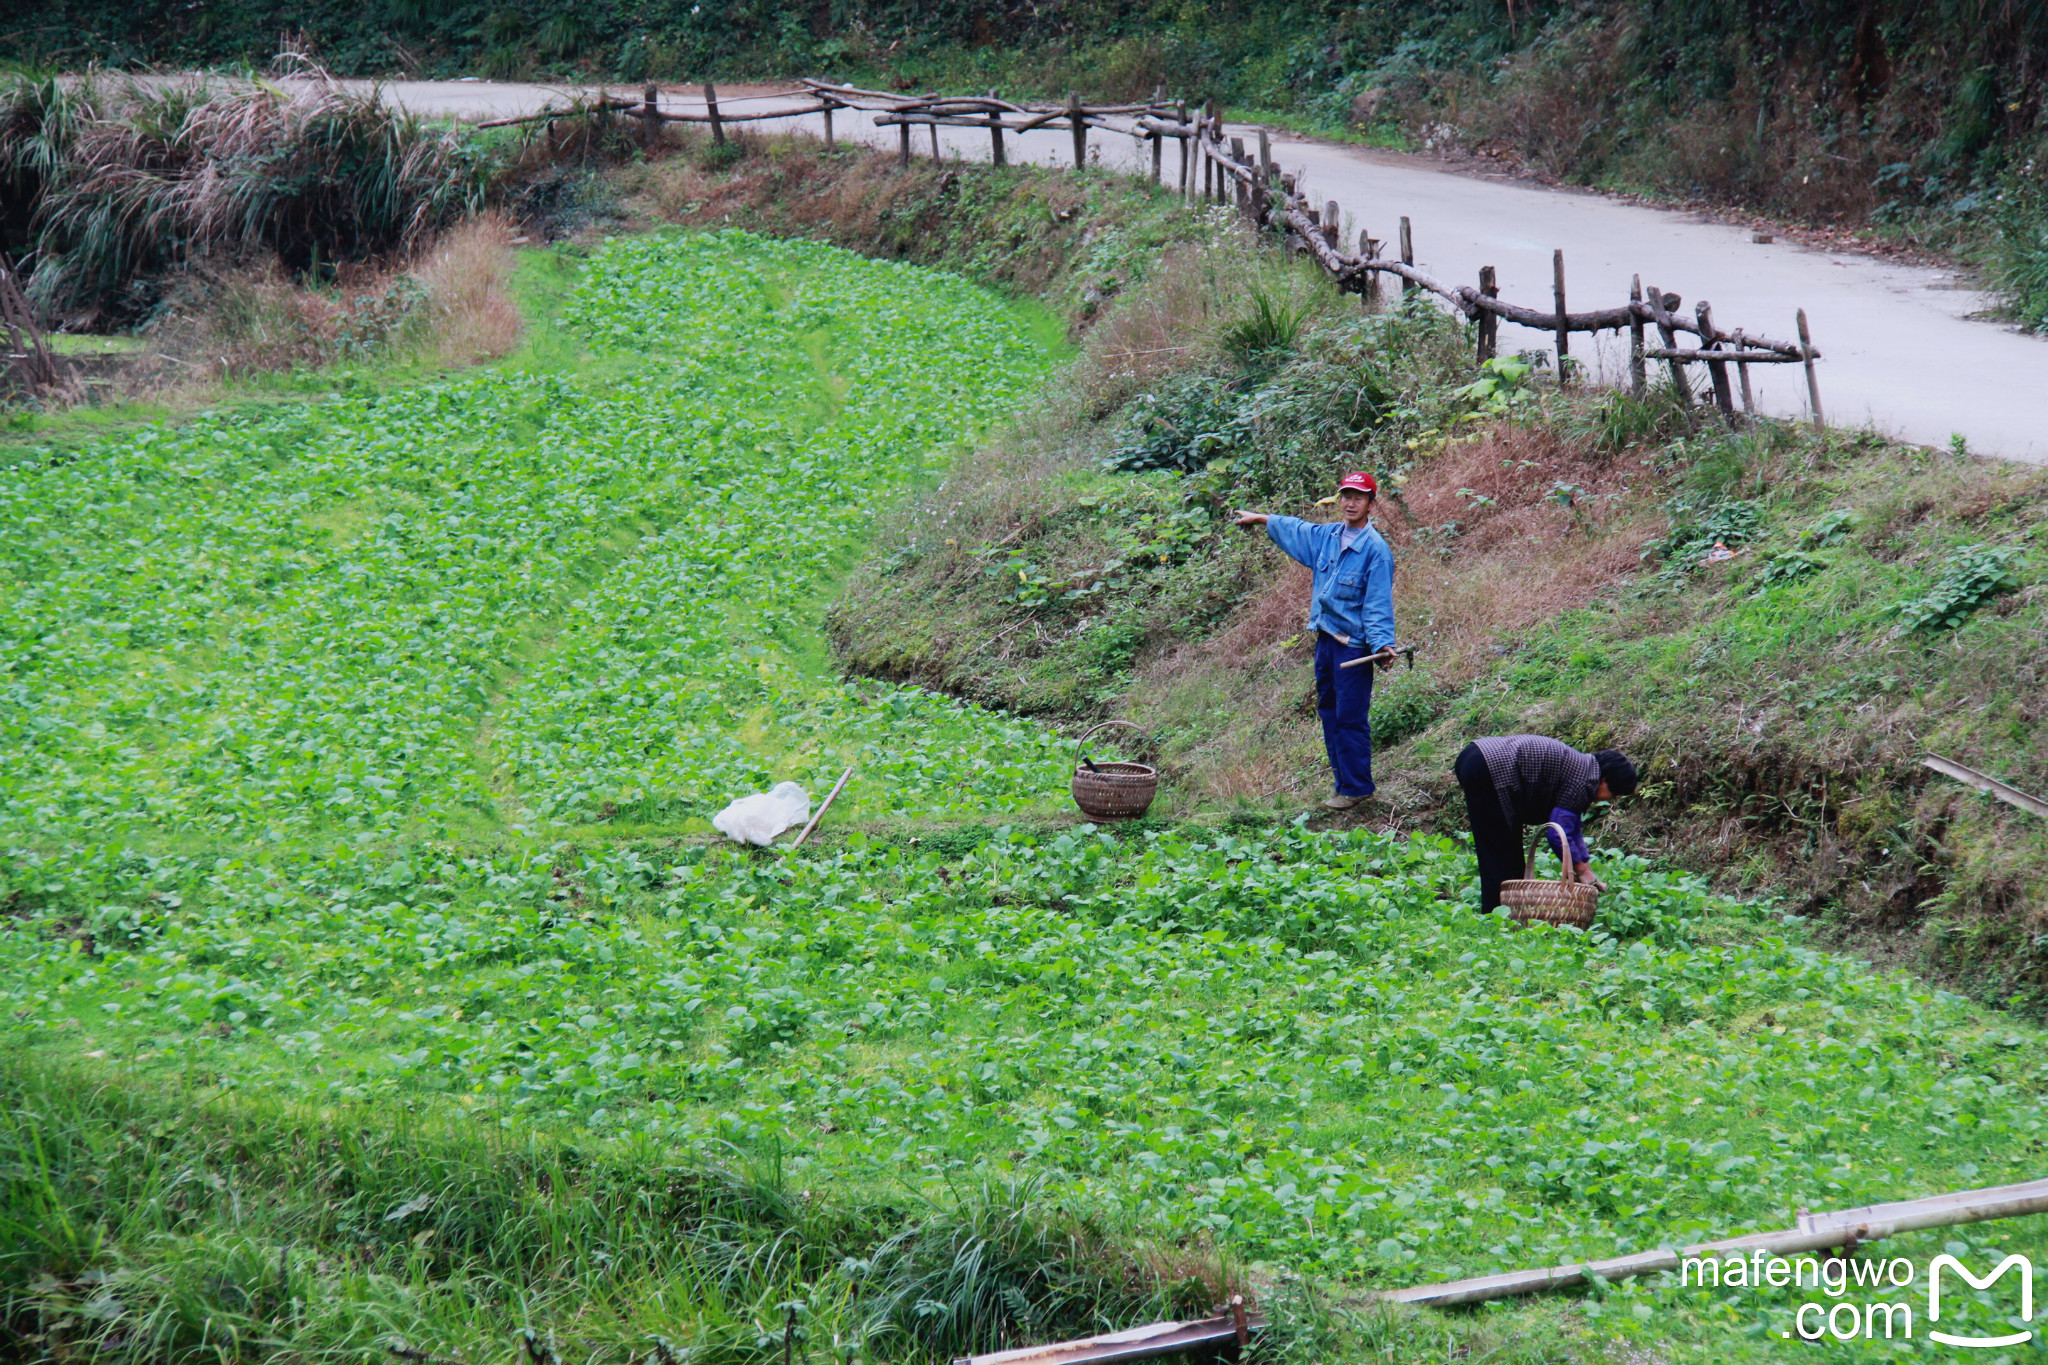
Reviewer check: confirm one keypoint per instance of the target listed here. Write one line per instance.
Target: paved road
(1901, 353)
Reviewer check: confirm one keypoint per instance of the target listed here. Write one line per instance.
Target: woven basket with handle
(1564, 901)
(1114, 791)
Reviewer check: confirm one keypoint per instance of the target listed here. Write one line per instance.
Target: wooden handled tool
(1407, 652)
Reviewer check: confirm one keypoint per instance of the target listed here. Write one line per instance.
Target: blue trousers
(1344, 701)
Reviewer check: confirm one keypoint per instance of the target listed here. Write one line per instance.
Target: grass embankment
(1883, 603)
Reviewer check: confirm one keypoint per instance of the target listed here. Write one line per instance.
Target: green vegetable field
(356, 767)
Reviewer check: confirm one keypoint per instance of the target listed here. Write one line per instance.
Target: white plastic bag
(757, 819)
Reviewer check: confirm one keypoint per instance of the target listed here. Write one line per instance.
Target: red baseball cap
(1362, 481)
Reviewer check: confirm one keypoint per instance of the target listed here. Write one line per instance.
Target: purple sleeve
(1569, 822)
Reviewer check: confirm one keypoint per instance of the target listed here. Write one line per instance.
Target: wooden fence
(1228, 172)
(1272, 200)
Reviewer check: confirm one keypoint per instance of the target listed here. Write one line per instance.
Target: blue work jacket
(1354, 591)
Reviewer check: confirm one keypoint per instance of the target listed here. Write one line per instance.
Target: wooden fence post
(1265, 156)
(1637, 378)
(1661, 305)
(1564, 344)
(1158, 155)
(1489, 325)
(1812, 383)
(903, 145)
(1724, 398)
(650, 120)
(711, 109)
(828, 127)
(1187, 188)
(1332, 220)
(1202, 154)
(1369, 296)
(1742, 369)
(1237, 189)
(1408, 286)
(995, 133)
(1214, 133)
(938, 157)
(1079, 122)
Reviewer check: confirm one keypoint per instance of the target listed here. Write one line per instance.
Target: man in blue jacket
(1352, 614)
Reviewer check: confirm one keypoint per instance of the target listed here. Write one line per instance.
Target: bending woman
(1516, 780)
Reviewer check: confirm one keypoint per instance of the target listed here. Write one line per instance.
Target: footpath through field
(1902, 352)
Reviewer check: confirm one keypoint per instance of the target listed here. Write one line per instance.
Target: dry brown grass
(1243, 699)
(225, 320)
(1523, 554)
(467, 275)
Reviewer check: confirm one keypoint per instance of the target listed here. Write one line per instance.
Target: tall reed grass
(130, 180)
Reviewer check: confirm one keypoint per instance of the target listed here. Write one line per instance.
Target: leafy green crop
(511, 596)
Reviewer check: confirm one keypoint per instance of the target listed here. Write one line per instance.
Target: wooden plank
(1149, 1342)
(1985, 782)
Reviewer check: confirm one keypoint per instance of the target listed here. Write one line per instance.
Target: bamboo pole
(1807, 354)
(1816, 1232)
(799, 842)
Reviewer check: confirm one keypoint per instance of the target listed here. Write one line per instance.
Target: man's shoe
(1341, 802)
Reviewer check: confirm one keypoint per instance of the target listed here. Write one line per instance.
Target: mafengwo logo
(2026, 1277)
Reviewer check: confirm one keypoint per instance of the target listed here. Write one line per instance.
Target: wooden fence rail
(1228, 172)
(1272, 200)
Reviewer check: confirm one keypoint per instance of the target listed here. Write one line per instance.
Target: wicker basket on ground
(1564, 901)
(1114, 791)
